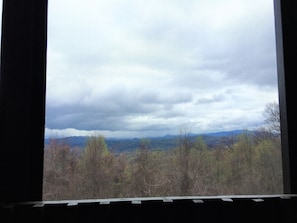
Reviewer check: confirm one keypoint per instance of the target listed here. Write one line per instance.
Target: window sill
(272, 208)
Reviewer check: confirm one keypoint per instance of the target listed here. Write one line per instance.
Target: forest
(249, 164)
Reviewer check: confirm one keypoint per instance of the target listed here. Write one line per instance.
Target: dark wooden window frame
(23, 89)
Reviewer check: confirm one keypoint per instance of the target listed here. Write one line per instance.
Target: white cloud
(147, 67)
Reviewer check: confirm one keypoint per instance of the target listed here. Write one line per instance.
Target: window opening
(161, 99)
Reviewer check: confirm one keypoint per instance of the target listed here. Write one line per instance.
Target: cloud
(129, 68)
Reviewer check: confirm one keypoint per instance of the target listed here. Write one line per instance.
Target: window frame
(286, 46)
(23, 90)
(22, 99)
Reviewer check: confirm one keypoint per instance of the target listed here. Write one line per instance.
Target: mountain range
(166, 142)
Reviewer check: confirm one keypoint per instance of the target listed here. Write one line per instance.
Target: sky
(144, 68)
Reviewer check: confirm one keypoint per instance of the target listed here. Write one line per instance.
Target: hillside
(162, 143)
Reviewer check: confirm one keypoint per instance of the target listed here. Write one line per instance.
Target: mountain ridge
(166, 142)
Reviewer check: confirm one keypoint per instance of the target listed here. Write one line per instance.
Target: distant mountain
(163, 143)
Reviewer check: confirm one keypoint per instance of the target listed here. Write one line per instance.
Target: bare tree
(60, 171)
(146, 168)
(272, 117)
(185, 145)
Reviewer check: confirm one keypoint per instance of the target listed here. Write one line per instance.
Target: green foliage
(200, 144)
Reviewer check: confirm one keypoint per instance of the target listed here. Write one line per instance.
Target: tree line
(249, 164)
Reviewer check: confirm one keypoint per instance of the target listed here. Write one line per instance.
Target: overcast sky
(140, 68)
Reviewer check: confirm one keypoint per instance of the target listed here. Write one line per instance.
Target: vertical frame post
(286, 46)
(22, 99)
